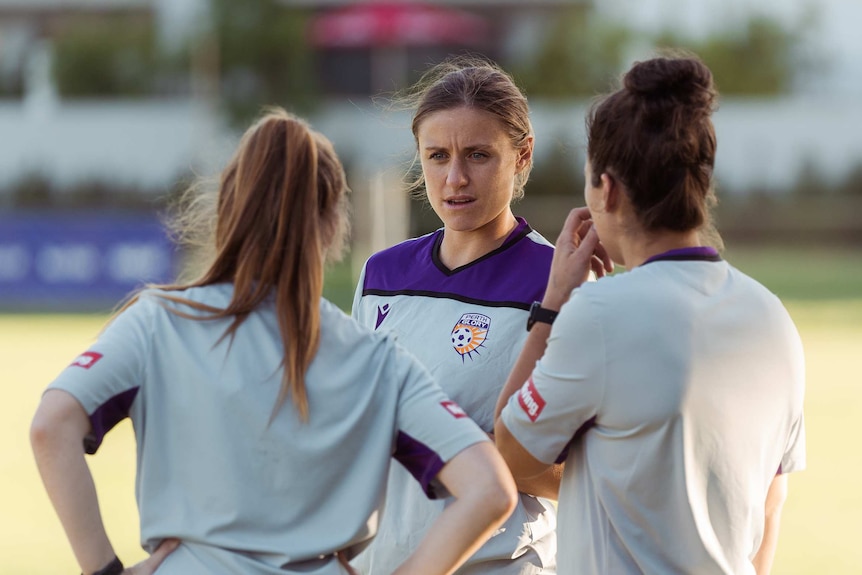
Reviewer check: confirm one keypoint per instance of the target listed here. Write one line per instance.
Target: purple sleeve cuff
(421, 461)
(561, 458)
(106, 416)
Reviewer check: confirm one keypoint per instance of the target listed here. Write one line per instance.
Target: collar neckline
(522, 229)
(697, 253)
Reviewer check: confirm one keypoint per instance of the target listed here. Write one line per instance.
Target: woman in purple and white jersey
(266, 419)
(459, 298)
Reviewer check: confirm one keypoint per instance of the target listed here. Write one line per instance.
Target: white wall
(137, 143)
(762, 143)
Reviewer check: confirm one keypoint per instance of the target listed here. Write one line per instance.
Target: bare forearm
(445, 546)
(765, 556)
(533, 349)
(58, 450)
(578, 251)
(485, 496)
(545, 484)
(775, 498)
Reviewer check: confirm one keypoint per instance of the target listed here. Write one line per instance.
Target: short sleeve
(563, 395)
(432, 429)
(105, 378)
(794, 455)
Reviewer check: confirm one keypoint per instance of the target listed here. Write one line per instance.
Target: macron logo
(531, 402)
(86, 360)
(453, 408)
(382, 312)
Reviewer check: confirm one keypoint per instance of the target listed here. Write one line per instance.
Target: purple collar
(701, 253)
(521, 230)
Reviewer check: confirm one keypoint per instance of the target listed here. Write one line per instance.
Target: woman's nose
(457, 175)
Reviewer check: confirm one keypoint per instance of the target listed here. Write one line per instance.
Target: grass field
(822, 290)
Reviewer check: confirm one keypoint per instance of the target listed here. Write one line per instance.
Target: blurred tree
(852, 185)
(263, 58)
(558, 173)
(810, 180)
(761, 58)
(813, 181)
(105, 57)
(36, 191)
(11, 79)
(580, 56)
(32, 190)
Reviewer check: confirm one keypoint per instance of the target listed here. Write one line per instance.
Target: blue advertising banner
(75, 260)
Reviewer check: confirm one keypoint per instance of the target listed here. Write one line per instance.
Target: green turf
(801, 273)
(35, 348)
(820, 522)
(339, 283)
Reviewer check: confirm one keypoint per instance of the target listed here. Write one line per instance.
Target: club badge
(470, 333)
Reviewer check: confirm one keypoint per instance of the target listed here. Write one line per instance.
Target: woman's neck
(460, 248)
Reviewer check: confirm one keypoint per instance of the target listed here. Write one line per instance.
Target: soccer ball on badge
(462, 337)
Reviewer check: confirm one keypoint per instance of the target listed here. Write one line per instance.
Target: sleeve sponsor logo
(86, 360)
(530, 401)
(454, 409)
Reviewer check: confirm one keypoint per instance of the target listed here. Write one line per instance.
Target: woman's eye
(478, 155)
(436, 156)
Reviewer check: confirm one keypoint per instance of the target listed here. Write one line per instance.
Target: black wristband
(539, 313)
(115, 567)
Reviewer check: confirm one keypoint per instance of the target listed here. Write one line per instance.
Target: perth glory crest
(470, 333)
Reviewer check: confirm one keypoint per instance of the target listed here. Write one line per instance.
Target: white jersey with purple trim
(676, 392)
(245, 496)
(467, 326)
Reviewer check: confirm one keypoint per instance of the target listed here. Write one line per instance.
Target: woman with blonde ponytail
(266, 419)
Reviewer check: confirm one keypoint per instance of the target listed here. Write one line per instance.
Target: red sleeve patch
(530, 401)
(454, 409)
(86, 360)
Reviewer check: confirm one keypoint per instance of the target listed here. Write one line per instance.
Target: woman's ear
(610, 192)
(525, 155)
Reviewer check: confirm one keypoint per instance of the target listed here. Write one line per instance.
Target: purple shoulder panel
(514, 274)
(421, 461)
(406, 264)
(591, 422)
(106, 416)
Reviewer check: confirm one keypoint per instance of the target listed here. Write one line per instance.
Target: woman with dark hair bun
(673, 391)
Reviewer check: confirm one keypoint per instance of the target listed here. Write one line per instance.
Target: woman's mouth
(458, 201)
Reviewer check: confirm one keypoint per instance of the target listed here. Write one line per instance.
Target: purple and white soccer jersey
(244, 495)
(467, 326)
